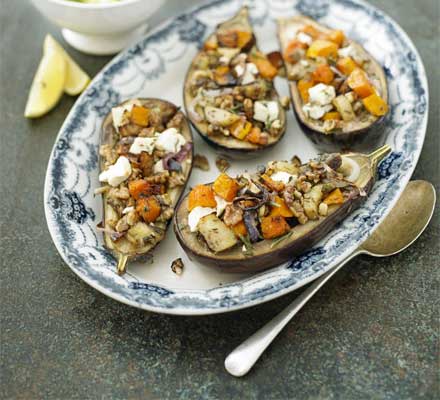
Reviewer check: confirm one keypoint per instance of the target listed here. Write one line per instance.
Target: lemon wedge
(76, 78)
(47, 86)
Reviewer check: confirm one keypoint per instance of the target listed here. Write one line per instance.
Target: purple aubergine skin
(234, 152)
(278, 255)
(107, 132)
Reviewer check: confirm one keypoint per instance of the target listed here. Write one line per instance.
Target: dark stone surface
(372, 333)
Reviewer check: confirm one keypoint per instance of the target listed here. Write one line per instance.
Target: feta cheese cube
(282, 176)
(304, 38)
(353, 52)
(316, 111)
(261, 113)
(121, 114)
(170, 140)
(221, 205)
(322, 94)
(239, 70)
(158, 167)
(126, 210)
(141, 144)
(272, 108)
(116, 173)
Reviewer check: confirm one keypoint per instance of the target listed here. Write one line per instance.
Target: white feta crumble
(158, 167)
(322, 94)
(239, 70)
(316, 111)
(170, 140)
(282, 176)
(120, 114)
(126, 210)
(227, 54)
(250, 72)
(196, 215)
(353, 52)
(304, 38)
(290, 32)
(221, 204)
(141, 144)
(116, 173)
(266, 111)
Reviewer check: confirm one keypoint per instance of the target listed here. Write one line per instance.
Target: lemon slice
(76, 78)
(47, 86)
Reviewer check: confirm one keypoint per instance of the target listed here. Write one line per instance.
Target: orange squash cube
(335, 197)
(240, 129)
(139, 115)
(291, 51)
(323, 74)
(271, 184)
(332, 115)
(322, 48)
(201, 196)
(257, 137)
(282, 210)
(274, 226)
(375, 105)
(243, 38)
(239, 229)
(303, 86)
(311, 31)
(225, 187)
(336, 36)
(358, 81)
(148, 208)
(264, 66)
(346, 65)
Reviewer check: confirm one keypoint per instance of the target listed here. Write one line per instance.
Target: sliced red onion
(250, 221)
(113, 234)
(172, 161)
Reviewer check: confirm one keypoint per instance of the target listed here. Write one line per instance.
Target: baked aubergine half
(254, 222)
(229, 94)
(339, 91)
(146, 154)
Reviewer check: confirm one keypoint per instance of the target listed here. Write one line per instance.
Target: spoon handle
(243, 357)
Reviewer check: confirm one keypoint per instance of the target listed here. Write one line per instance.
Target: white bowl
(100, 29)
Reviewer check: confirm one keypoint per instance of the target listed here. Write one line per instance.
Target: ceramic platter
(155, 67)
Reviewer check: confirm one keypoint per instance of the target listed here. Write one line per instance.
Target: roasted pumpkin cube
(274, 226)
(257, 137)
(311, 31)
(323, 74)
(264, 66)
(239, 229)
(201, 196)
(244, 38)
(240, 129)
(141, 188)
(303, 88)
(332, 115)
(211, 43)
(293, 51)
(346, 65)
(282, 208)
(140, 115)
(148, 208)
(225, 187)
(375, 105)
(358, 81)
(336, 36)
(322, 48)
(335, 197)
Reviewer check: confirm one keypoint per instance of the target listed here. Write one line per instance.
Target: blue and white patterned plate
(155, 67)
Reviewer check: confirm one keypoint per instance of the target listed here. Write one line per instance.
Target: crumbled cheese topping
(316, 111)
(116, 173)
(250, 72)
(322, 94)
(170, 140)
(221, 204)
(126, 210)
(266, 111)
(282, 176)
(141, 144)
(304, 38)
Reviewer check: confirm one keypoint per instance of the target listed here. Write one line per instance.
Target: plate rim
(187, 311)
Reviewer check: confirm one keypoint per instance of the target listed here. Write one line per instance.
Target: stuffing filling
(336, 80)
(270, 203)
(145, 161)
(231, 86)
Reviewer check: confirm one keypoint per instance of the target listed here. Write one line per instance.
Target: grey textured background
(373, 332)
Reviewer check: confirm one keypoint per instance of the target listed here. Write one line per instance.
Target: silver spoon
(403, 225)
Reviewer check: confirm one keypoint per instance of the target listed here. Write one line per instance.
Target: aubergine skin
(108, 136)
(277, 255)
(363, 139)
(248, 150)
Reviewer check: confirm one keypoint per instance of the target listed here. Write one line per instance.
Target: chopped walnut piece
(222, 164)
(201, 162)
(177, 266)
(176, 121)
(233, 215)
(176, 179)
